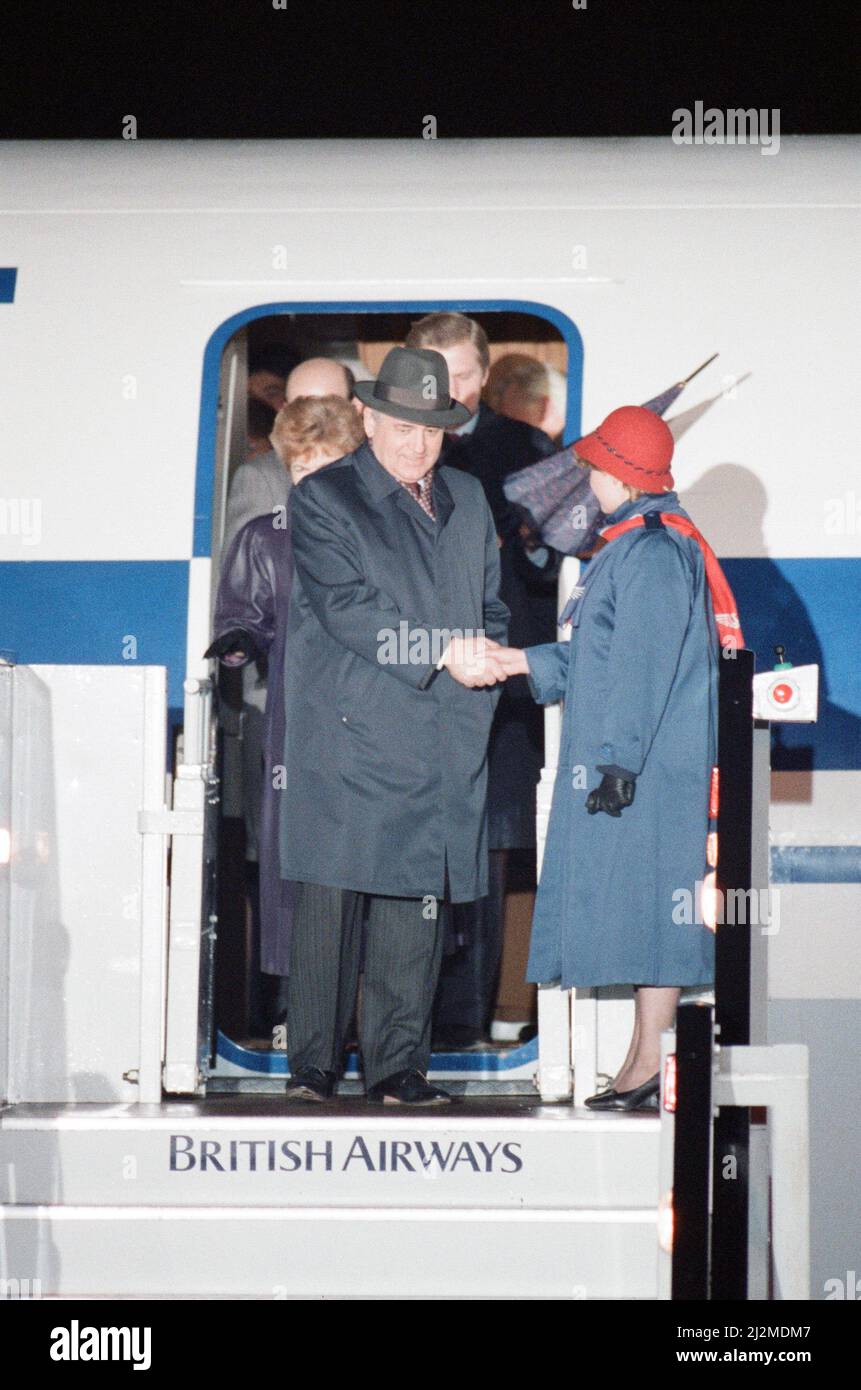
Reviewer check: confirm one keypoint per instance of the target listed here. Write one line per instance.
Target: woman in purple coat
(251, 622)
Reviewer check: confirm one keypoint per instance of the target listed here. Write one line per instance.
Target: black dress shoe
(644, 1097)
(409, 1087)
(310, 1083)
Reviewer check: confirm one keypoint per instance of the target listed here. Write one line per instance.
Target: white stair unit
(480, 1201)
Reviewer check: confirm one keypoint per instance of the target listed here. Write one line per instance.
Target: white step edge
(533, 1215)
(17, 1118)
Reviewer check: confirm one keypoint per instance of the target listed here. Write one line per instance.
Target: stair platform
(254, 1196)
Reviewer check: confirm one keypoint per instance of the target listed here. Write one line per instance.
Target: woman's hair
(633, 492)
(316, 424)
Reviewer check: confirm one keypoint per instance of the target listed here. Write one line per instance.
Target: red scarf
(723, 601)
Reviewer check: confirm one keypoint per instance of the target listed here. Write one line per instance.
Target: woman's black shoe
(644, 1097)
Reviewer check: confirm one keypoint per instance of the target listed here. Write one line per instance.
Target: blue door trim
(493, 1062)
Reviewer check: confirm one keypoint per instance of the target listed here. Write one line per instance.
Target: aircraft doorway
(535, 378)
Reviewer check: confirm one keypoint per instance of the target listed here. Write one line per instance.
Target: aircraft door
(202, 773)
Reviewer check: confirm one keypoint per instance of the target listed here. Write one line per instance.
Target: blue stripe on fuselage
(86, 611)
(811, 608)
(81, 611)
(8, 279)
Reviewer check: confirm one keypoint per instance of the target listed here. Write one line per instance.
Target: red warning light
(714, 794)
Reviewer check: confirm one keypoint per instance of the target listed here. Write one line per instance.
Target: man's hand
(473, 661)
(611, 796)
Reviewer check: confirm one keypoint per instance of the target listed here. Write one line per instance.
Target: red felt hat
(634, 445)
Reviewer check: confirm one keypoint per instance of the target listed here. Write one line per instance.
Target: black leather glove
(612, 795)
(236, 642)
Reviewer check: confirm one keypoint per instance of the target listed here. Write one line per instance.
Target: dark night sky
(222, 68)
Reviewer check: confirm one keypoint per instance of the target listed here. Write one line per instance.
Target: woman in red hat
(626, 843)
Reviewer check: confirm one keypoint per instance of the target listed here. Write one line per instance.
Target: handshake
(476, 661)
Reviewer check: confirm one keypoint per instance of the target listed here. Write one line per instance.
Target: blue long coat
(639, 681)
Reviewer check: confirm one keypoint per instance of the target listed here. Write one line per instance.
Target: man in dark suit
(388, 701)
(489, 447)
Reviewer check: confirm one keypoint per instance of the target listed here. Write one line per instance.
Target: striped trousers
(402, 955)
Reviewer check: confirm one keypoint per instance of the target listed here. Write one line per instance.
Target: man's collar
(468, 428)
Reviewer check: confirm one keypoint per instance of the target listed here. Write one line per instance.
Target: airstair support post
(777, 1077)
(193, 787)
(555, 1022)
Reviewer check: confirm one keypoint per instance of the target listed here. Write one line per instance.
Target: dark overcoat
(254, 595)
(618, 899)
(386, 759)
(496, 447)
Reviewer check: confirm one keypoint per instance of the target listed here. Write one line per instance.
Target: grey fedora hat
(413, 385)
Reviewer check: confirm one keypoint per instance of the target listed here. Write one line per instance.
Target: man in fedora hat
(389, 699)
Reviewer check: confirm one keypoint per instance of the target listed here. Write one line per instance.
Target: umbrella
(660, 404)
(554, 494)
(557, 502)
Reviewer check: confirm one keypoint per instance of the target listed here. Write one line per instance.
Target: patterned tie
(422, 491)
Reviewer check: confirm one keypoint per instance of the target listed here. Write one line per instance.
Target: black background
(328, 68)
